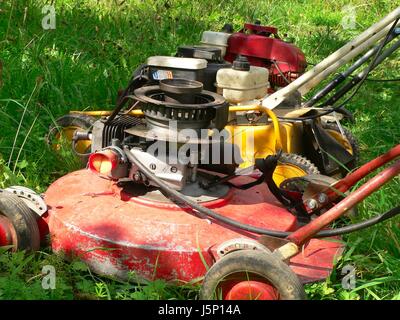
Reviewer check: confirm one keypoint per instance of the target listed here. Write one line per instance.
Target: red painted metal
(255, 42)
(256, 28)
(303, 234)
(5, 231)
(43, 227)
(251, 290)
(336, 191)
(350, 180)
(105, 156)
(115, 232)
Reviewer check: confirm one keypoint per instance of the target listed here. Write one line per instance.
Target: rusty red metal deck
(116, 232)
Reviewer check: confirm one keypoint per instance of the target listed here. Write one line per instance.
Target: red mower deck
(115, 231)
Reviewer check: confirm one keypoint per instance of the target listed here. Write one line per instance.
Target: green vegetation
(91, 54)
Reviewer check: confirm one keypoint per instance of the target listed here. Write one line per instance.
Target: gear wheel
(291, 165)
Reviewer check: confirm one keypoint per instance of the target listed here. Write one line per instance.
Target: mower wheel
(291, 165)
(64, 129)
(348, 141)
(18, 221)
(251, 275)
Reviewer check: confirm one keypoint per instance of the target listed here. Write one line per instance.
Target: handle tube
(275, 99)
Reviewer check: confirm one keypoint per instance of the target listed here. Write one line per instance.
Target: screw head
(312, 204)
(322, 198)
(137, 176)
(153, 166)
(174, 169)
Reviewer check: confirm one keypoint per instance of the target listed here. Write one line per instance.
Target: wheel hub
(252, 290)
(6, 228)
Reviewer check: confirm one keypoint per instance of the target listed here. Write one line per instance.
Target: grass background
(91, 54)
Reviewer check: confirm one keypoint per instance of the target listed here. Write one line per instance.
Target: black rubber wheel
(253, 263)
(66, 126)
(292, 165)
(349, 142)
(23, 219)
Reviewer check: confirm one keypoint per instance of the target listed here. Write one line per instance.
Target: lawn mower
(164, 197)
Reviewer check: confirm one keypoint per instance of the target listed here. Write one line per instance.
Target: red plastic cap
(103, 162)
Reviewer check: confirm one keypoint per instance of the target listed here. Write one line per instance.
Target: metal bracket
(240, 244)
(34, 201)
(323, 150)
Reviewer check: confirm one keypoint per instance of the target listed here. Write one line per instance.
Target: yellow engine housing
(259, 141)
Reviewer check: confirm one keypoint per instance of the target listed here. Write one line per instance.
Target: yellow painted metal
(138, 112)
(286, 171)
(261, 140)
(67, 134)
(342, 140)
(245, 108)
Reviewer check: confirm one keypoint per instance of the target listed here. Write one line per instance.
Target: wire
(383, 80)
(280, 71)
(178, 197)
(369, 68)
(380, 80)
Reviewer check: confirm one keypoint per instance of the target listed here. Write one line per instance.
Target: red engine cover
(257, 44)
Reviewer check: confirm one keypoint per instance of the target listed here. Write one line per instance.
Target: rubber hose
(279, 234)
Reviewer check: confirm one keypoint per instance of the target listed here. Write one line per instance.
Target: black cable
(383, 80)
(369, 68)
(138, 79)
(177, 196)
(368, 223)
(340, 77)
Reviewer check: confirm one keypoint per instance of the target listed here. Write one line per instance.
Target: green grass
(91, 54)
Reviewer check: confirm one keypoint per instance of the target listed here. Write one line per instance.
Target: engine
(179, 133)
(185, 103)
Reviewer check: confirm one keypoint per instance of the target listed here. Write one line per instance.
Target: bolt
(153, 166)
(174, 169)
(322, 198)
(312, 204)
(115, 142)
(137, 176)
